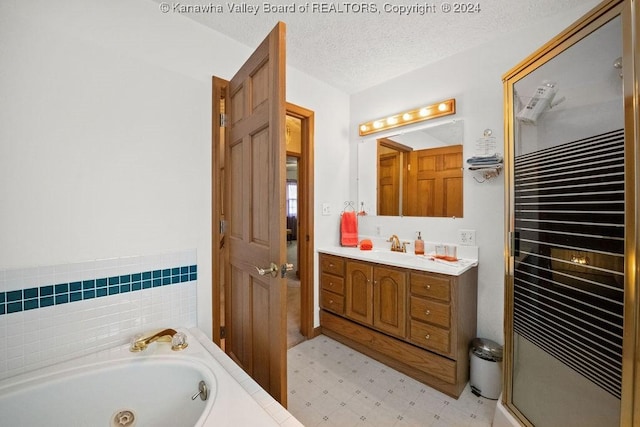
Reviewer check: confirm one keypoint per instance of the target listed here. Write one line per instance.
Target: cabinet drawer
(431, 286)
(332, 264)
(431, 337)
(329, 282)
(431, 311)
(331, 301)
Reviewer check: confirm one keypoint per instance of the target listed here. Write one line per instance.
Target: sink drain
(123, 418)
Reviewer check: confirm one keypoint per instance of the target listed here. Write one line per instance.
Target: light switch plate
(326, 209)
(467, 237)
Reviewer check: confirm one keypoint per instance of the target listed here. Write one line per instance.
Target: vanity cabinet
(376, 296)
(418, 322)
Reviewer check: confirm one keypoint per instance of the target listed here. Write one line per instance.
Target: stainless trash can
(486, 368)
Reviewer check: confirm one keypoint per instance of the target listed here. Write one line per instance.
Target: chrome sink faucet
(178, 340)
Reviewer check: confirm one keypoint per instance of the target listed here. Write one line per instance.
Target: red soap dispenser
(419, 245)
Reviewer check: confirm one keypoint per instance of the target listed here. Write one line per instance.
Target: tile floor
(331, 384)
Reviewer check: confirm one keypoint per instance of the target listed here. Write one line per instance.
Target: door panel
(567, 216)
(389, 296)
(236, 312)
(260, 335)
(260, 186)
(359, 292)
(255, 159)
(435, 184)
(235, 190)
(389, 184)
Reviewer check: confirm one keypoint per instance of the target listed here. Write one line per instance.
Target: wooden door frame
(305, 199)
(403, 152)
(219, 253)
(305, 222)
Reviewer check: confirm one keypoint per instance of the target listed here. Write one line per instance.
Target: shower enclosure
(571, 273)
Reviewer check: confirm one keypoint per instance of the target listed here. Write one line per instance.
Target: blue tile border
(62, 293)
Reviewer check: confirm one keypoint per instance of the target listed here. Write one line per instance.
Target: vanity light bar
(439, 109)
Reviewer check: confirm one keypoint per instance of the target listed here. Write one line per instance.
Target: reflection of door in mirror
(434, 184)
(425, 182)
(392, 176)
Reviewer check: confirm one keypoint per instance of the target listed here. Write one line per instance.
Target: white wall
(474, 78)
(331, 143)
(105, 136)
(105, 119)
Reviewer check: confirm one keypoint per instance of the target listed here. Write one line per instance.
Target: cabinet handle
(330, 264)
(427, 336)
(428, 312)
(428, 286)
(331, 301)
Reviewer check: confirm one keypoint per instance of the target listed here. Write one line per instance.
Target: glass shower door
(568, 235)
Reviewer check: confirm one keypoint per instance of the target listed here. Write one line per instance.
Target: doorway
(299, 206)
(571, 283)
(294, 324)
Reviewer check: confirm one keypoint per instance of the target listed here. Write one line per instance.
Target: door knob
(272, 270)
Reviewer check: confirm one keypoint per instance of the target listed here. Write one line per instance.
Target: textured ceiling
(354, 51)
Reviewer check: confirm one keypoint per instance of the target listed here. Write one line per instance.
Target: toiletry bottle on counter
(419, 245)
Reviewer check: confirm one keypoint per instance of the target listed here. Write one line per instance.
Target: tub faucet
(177, 339)
(395, 244)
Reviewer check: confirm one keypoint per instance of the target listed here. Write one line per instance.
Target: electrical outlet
(467, 237)
(326, 209)
(378, 230)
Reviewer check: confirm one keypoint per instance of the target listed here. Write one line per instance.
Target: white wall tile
(40, 337)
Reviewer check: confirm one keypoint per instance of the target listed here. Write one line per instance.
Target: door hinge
(223, 120)
(223, 332)
(223, 226)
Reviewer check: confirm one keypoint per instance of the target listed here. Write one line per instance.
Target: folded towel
(349, 229)
(480, 160)
(478, 166)
(366, 245)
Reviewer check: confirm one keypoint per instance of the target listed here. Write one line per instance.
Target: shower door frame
(629, 11)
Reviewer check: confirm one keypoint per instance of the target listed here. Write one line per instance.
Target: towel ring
(348, 205)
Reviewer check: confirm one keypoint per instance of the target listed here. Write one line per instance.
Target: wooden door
(358, 298)
(254, 201)
(389, 184)
(435, 182)
(390, 300)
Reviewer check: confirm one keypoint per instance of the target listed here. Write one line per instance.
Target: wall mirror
(415, 172)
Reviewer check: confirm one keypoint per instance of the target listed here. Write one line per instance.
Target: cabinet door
(358, 298)
(389, 300)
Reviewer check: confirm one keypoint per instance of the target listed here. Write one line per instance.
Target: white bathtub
(153, 388)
